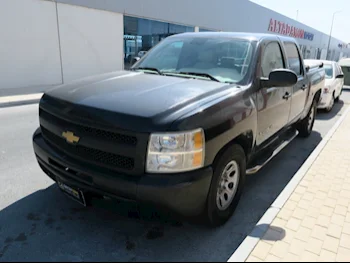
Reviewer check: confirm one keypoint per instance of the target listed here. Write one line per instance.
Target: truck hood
(134, 100)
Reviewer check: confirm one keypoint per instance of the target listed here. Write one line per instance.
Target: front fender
(222, 120)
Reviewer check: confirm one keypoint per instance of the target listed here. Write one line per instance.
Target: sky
(316, 14)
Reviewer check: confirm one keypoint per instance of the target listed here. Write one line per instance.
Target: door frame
(302, 80)
(263, 45)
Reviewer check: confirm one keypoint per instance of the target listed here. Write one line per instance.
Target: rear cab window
(294, 58)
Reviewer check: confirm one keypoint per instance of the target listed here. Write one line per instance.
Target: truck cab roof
(242, 35)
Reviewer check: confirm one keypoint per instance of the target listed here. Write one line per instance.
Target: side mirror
(280, 78)
(340, 76)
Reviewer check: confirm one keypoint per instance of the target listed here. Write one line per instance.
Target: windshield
(217, 59)
(329, 71)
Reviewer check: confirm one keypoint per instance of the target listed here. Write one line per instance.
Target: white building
(48, 42)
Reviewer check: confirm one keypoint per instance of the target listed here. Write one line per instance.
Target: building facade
(49, 42)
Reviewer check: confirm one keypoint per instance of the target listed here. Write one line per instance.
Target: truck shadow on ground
(47, 226)
(272, 233)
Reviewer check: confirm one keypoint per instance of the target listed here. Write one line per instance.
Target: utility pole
(297, 14)
(330, 34)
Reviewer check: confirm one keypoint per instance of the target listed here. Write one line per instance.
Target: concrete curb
(245, 249)
(20, 100)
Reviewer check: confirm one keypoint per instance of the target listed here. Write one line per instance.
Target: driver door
(273, 103)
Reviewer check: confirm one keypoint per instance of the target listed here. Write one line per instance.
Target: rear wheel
(226, 186)
(306, 125)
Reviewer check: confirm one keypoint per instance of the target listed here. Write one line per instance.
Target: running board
(263, 161)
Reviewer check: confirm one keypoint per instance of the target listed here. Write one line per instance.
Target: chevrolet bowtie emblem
(70, 137)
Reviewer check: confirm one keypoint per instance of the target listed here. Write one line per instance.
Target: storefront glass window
(140, 35)
(307, 53)
(318, 53)
(304, 52)
(206, 30)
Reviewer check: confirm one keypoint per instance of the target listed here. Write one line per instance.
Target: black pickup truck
(184, 126)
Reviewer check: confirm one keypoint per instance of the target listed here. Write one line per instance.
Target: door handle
(287, 96)
(304, 87)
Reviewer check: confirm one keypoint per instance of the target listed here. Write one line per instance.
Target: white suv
(333, 85)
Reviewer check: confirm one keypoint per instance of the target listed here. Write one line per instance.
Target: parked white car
(333, 85)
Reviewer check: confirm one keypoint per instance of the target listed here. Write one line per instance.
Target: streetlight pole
(330, 34)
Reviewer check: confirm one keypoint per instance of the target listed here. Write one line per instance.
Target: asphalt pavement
(39, 223)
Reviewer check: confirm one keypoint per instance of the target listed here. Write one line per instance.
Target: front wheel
(306, 125)
(226, 186)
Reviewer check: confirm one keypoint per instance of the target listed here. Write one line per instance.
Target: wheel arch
(317, 96)
(245, 140)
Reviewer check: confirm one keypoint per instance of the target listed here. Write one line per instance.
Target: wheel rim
(311, 118)
(228, 185)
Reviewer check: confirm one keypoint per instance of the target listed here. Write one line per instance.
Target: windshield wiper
(199, 74)
(206, 75)
(148, 68)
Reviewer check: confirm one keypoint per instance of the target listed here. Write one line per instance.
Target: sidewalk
(22, 96)
(17, 100)
(310, 221)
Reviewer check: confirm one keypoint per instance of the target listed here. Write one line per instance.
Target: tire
(337, 98)
(219, 211)
(331, 104)
(306, 125)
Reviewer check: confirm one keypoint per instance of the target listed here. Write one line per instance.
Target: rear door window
(293, 57)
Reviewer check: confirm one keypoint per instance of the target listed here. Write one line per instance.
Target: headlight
(175, 152)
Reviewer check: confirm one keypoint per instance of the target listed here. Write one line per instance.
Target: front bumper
(325, 100)
(184, 193)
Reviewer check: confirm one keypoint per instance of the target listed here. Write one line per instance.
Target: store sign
(288, 30)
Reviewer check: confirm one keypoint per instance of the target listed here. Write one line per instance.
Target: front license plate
(75, 194)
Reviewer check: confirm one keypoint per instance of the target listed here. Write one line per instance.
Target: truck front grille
(90, 154)
(120, 151)
(96, 133)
